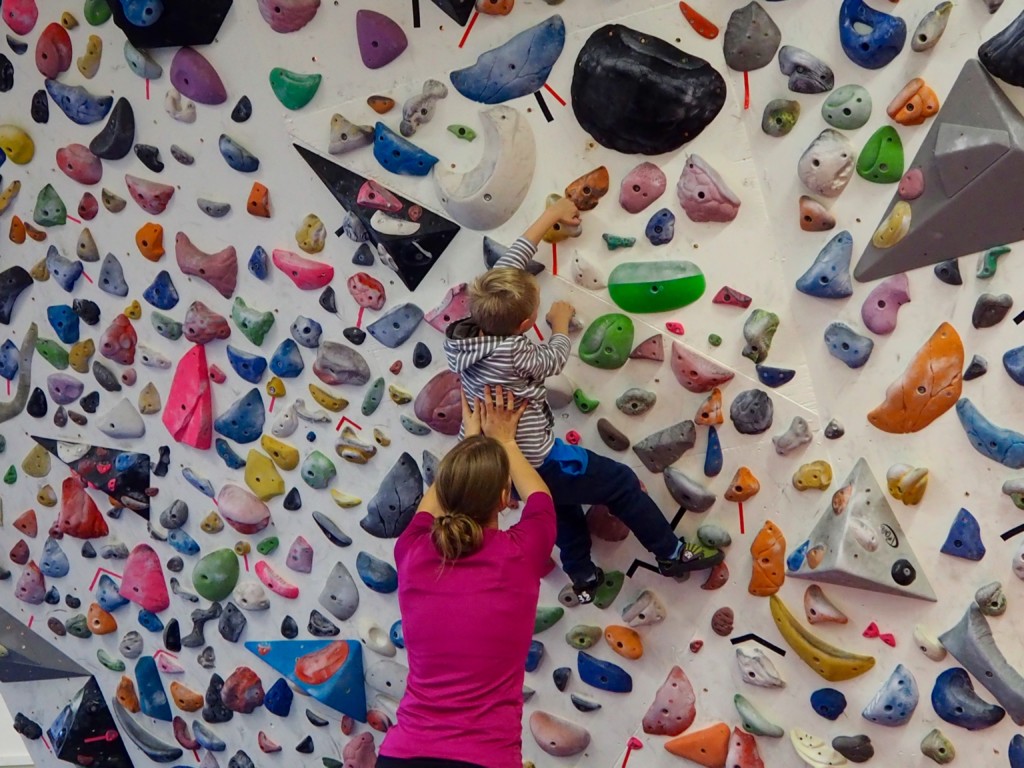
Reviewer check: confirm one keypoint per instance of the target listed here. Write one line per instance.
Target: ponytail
(456, 536)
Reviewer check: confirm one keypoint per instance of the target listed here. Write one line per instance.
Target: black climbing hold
(421, 356)
(40, 107)
(172, 636)
(18, 46)
(328, 300)
(289, 628)
(60, 417)
(12, 282)
(949, 272)
(105, 377)
(90, 402)
(72, 602)
(87, 310)
(305, 746)
(293, 500)
(116, 138)
(241, 760)
(36, 403)
(315, 719)
(320, 626)
(1003, 54)
(215, 711)
(88, 550)
(6, 74)
(52, 596)
(977, 368)
(242, 110)
(363, 257)
(175, 565)
(903, 573)
(149, 156)
(232, 623)
(561, 677)
(355, 335)
(30, 729)
(164, 462)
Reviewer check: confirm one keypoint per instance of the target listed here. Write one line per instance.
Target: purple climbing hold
(196, 78)
(438, 404)
(880, 307)
(381, 40)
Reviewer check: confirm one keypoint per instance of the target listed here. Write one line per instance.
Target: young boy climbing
(490, 348)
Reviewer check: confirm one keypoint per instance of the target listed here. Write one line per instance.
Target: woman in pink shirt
(468, 596)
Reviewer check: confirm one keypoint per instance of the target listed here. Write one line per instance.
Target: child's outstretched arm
(548, 359)
(524, 248)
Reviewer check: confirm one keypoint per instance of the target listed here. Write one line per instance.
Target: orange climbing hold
(381, 104)
(588, 189)
(27, 523)
(701, 24)
(185, 698)
(150, 239)
(34, 234)
(743, 486)
(127, 696)
(315, 668)
(17, 233)
(929, 387)
(708, 746)
(769, 553)
(495, 7)
(100, 622)
(259, 201)
(624, 641)
(815, 217)
(710, 411)
(914, 104)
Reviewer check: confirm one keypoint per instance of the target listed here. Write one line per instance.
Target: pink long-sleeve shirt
(467, 627)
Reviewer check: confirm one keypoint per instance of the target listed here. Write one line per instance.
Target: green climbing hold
(656, 286)
(583, 636)
(462, 131)
(584, 403)
(293, 89)
(11, 475)
(607, 342)
(50, 210)
(253, 324)
(847, 108)
(216, 574)
(110, 662)
(373, 396)
(714, 340)
(96, 12)
(547, 617)
(78, 626)
(881, 160)
(614, 242)
(318, 470)
(3, 443)
(987, 261)
(166, 326)
(268, 545)
(605, 594)
(53, 353)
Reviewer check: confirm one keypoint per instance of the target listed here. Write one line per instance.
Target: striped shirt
(514, 362)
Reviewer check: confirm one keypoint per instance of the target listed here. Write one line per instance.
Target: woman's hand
(470, 416)
(500, 416)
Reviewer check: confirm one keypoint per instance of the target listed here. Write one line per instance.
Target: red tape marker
(469, 28)
(742, 527)
(551, 90)
(746, 90)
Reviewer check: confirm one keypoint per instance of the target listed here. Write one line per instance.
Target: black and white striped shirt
(514, 362)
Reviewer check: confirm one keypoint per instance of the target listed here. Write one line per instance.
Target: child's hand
(559, 315)
(566, 211)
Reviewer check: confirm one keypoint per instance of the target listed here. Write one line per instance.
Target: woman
(468, 596)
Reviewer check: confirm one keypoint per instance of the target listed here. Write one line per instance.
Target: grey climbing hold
(687, 492)
(394, 328)
(751, 38)
(798, 434)
(807, 73)
(394, 504)
(122, 422)
(175, 515)
(636, 401)
(306, 331)
(989, 309)
(663, 448)
(895, 701)
(338, 364)
(340, 595)
(847, 345)
(751, 412)
(111, 279)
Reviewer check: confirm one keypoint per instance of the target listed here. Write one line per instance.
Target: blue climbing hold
(516, 68)
(306, 331)
(182, 542)
(112, 276)
(152, 697)
(149, 620)
(286, 361)
(378, 575)
(228, 454)
(9, 360)
(236, 156)
(259, 263)
(870, 38)
(1016, 751)
(201, 484)
(829, 276)
(64, 322)
(396, 634)
(895, 701)
(249, 367)
(713, 459)
(108, 595)
(847, 345)
(278, 698)
(207, 739)
(954, 700)
(1013, 362)
(661, 227)
(394, 328)
(964, 539)
(774, 377)
(142, 13)
(795, 560)
(399, 155)
(534, 655)
(243, 421)
(161, 293)
(997, 443)
(78, 104)
(828, 702)
(64, 271)
(54, 562)
(603, 674)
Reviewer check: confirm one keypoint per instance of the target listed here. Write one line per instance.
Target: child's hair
(501, 299)
(470, 481)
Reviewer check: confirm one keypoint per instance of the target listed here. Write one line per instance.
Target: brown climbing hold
(708, 746)
(259, 201)
(769, 569)
(743, 486)
(588, 189)
(624, 641)
(929, 387)
(17, 232)
(722, 621)
(26, 523)
(185, 698)
(717, 578)
(99, 621)
(674, 707)
(710, 411)
(815, 217)
(127, 696)
(604, 525)
(381, 104)
(914, 104)
(819, 609)
(150, 240)
(34, 234)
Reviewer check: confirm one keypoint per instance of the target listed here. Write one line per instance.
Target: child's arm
(539, 361)
(524, 248)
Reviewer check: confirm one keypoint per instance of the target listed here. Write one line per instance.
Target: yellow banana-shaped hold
(831, 663)
(326, 400)
(345, 500)
(9, 194)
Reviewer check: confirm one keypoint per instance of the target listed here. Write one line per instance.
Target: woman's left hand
(470, 417)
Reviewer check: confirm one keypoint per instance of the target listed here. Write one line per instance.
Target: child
(489, 349)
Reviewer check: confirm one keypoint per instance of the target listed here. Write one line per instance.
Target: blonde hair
(470, 482)
(501, 299)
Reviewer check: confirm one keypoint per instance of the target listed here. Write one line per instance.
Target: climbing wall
(235, 232)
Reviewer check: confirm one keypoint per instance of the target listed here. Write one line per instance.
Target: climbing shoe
(586, 589)
(692, 556)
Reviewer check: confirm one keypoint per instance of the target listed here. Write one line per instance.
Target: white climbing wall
(761, 253)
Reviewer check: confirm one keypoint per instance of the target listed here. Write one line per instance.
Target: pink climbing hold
(88, 206)
(143, 580)
(219, 269)
(696, 372)
(674, 708)
(308, 275)
(273, 581)
(911, 185)
(731, 298)
(743, 751)
(217, 376)
(31, 586)
(152, 196)
(367, 290)
(53, 51)
(704, 194)
(118, 341)
(883, 303)
(373, 195)
(196, 78)
(439, 404)
(79, 516)
(641, 187)
(453, 308)
(242, 510)
(288, 15)
(21, 15)
(77, 162)
(572, 437)
(674, 327)
(203, 325)
(188, 414)
(267, 745)
(649, 349)
(359, 752)
(381, 40)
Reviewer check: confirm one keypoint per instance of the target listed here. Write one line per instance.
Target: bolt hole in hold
(815, 162)
(655, 288)
(881, 303)
(700, 195)
(487, 197)
(847, 111)
(846, 346)
(921, 390)
(824, 278)
(375, 44)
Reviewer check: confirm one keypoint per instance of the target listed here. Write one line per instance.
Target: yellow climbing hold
(814, 474)
(284, 455)
(894, 227)
(68, 20)
(9, 194)
(326, 400)
(275, 387)
(262, 476)
(345, 500)
(833, 664)
(133, 310)
(47, 496)
(89, 62)
(399, 395)
(37, 462)
(312, 234)
(81, 353)
(16, 144)
(212, 523)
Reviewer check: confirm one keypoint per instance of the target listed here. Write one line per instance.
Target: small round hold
(421, 356)
(903, 573)
(355, 335)
(311, 437)
(328, 300)
(242, 110)
(175, 564)
(561, 677)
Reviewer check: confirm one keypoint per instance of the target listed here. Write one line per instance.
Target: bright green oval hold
(463, 131)
(714, 340)
(607, 342)
(881, 160)
(216, 574)
(547, 617)
(293, 89)
(656, 286)
(96, 12)
(584, 403)
(268, 545)
(605, 594)
(50, 210)
(53, 353)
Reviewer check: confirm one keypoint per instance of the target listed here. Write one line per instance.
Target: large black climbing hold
(30, 729)
(459, 10)
(36, 404)
(215, 711)
(1003, 55)
(79, 734)
(87, 310)
(117, 137)
(182, 22)
(636, 93)
(13, 281)
(40, 107)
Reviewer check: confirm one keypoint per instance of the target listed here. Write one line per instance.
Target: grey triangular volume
(29, 657)
(857, 542)
(973, 165)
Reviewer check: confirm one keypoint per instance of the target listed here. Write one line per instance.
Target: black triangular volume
(182, 22)
(122, 475)
(460, 10)
(81, 733)
(29, 657)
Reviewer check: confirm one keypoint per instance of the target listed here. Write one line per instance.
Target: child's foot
(690, 556)
(585, 589)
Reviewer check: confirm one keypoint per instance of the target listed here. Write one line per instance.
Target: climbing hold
(649, 349)
(881, 160)
(819, 609)
(607, 342)
(780, 117)
(964, 538)
(989, 310)
(807, 73)
(708, 746)
(420, 108)
(881, 305)
(936, 746)
(1000, 54)
(663, 448)
(641, 187)
(673, 709)
(798, 434)
(870, 38)
(50, 210)
(830, 662)
(931, 27)
(895, 701)
(603, 674)
(815, 474)
(751, 38)
(753, 721)
(195, 77)
(661, 227)
(686, 492)
(755, 667)
(556, 736)
(914, 104)
(16, 144)
(695, 372)
(847, 345)
(236, 156)
(768, 552)
(893, 227)
(990, 599)
(954, 700)
(78, 163)
(751, 412)
(632, 402)
(53, 50)
(827, 164)
(813, 750)
(759, 330)
(907, 483)
(655, 286)
(814, 217)
(395, 327)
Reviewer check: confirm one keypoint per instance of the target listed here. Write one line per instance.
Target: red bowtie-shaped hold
(889, 639)
(634, 743)
(872, 630)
